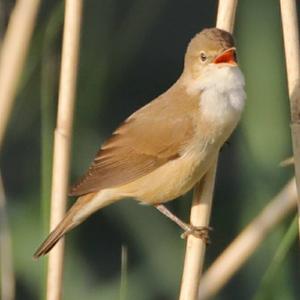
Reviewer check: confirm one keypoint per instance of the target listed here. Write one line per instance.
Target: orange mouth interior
(228, 57)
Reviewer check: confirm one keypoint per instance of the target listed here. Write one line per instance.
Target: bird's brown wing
(149, 138)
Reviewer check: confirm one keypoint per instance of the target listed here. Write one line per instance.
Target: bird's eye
(203, 56)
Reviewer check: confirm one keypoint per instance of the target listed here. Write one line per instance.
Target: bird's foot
(201, 232)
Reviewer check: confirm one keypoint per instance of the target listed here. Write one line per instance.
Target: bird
(164, 148)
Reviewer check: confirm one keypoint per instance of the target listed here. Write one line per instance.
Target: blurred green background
(131, 51)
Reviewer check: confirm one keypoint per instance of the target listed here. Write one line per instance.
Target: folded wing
(149, 138)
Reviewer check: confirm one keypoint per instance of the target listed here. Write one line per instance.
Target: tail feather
(54, 237)
(64, 226)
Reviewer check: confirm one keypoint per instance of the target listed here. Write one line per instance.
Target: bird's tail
(84, 206)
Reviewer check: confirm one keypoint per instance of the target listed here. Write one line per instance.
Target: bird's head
(210, 49)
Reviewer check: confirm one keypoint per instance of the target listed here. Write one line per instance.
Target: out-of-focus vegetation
(131, 51)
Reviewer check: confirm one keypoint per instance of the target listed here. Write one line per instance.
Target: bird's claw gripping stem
(201, 232)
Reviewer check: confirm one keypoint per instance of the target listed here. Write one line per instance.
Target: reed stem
(292, 58)
(6, 258)
(12, 56)
(62, 140)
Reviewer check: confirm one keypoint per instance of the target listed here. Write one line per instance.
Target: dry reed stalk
(62, 139)
(195, 247)
(292, 57)
(6, 259)
(13, 54)
(226, 14)
(243, 246)
(203, 193)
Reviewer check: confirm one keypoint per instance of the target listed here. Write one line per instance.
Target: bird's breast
(221, 93)
(221, 102)
(221, 107)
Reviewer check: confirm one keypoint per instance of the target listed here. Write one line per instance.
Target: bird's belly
(169, 181)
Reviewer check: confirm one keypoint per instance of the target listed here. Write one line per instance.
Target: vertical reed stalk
(226, 14)
(13, 54)
(203, 193)
(243, 246)
(6, 258)
(195, 247)
(124, 272)
(62, 139)
(48, 87)
(292, 58)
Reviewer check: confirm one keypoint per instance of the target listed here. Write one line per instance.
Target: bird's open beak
(227, 57)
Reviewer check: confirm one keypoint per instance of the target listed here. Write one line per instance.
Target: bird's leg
(201, 232)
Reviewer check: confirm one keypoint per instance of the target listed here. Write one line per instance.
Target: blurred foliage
(131, 51)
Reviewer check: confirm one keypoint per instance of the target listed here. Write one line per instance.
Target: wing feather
(149, 138)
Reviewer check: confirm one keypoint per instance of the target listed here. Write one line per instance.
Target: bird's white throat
(222, 94)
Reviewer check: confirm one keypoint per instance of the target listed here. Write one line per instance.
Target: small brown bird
(162, 150)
